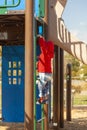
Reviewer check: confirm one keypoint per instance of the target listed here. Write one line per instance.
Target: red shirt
(47, 52)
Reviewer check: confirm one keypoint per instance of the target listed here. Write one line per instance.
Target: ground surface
(79, 122)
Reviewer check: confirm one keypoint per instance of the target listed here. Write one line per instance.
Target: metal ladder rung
(41, 119)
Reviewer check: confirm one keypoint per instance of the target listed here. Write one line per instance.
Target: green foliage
(84, 67)
(78, 69)
(80, 99)
(75, 65)
(79, 72)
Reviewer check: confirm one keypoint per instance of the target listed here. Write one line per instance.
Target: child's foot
(41, 100)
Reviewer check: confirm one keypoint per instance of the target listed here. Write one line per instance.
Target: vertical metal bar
(1, 55)
(61, 88)
(42, 8)
(34, 33)
(34, 82)
(68, 92)
(29, 65)
(5, 2)
(49, 104)
(42, 116)
(13, 2)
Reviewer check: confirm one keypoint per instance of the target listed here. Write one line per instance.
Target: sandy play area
(79, 122)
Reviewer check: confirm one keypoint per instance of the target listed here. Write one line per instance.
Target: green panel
(42, 8)
(3, 11)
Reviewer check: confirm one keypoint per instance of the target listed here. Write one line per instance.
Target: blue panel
(38, 106)
(2, 2)
(38, 51)
(40, 30)
(13, 83)
(21, 6)
(36, 8)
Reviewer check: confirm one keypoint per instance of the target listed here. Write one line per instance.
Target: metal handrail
(9, 6)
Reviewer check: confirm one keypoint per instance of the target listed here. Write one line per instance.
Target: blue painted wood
(21, 6)
(38, 106)
(36, 8)
(13, 93)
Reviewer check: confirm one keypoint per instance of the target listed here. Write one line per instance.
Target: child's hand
(38, 37)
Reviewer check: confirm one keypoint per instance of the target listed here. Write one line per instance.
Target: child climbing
(44, 68)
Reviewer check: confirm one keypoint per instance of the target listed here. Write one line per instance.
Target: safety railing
(9, 3)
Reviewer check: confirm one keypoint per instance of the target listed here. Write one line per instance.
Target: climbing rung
(41, 119)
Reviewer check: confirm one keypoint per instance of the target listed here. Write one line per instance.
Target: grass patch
(80, 99)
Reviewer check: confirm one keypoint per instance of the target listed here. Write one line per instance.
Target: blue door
(13, 83)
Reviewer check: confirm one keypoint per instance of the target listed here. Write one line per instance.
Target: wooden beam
(29, 65)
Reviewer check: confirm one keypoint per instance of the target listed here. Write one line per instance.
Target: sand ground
(79, 122)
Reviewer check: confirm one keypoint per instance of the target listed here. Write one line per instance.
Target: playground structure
(14, 16)
(60, 35)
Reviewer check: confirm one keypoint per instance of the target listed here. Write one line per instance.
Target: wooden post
(61, 88)
(29, 65)
(68, 92)
(58, 114)
(46, 121)
(56, 87)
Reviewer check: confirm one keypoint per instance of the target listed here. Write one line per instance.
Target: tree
(74, 62)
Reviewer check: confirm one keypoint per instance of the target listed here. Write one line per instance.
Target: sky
(75, 18)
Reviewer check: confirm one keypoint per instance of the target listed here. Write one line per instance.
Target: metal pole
(42, 116)
(29, 65)
(68, 92)
(34, 81)
(61, 88)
